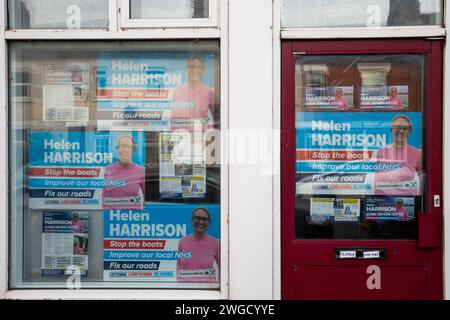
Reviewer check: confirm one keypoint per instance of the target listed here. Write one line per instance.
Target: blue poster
(389, 208)
(163, 242)
(86, 170)
(146, 91)
(359, 153)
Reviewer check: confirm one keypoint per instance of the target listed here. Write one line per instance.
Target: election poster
(384, 97)
(359, 153)
(389, 208)
(86, 170)
(182, 167)
(65, 243)
(328, 98)
(334, 209)
(155, 91)
(162, 243)
(64, 93)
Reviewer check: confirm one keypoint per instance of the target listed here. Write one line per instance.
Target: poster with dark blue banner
(86, 170)
(384, 97)
(156, 90)
(328, 98)
(389, 208)
(65, 243)
(359, 153)
(163, 243)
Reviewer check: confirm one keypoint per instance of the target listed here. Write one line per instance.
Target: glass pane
(360, 13)
(359, 162)
(114, 164)
(61, 14)
(173, 9)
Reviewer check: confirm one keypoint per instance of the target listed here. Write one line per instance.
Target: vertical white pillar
(250, 122)
(4, 156)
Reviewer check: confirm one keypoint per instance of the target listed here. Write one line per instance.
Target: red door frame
(427, 251)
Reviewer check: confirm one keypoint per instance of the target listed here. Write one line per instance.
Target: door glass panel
(359, 140)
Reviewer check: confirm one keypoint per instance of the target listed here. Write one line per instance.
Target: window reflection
(361, 13)
(61, 14)
(163, 9)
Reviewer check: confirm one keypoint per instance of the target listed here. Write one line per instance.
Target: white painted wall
(251, 195)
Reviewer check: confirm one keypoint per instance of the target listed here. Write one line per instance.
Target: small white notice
(347, 254)
(371, 254)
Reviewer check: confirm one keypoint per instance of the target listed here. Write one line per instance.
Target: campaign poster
(389, 208)
(65, 243)
(83, 170)
(64, 93)
(359, 153)
(384, 97)
(328, 98)
(334, 209)
(182, 167)
(158, 244)
(153, 91)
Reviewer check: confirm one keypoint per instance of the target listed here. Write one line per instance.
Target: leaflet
(65, 243)
(389, 208)
(334, 209)
(182, 167)
(328, 98)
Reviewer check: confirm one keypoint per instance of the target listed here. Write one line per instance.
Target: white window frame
(127, 22)
(114, 32)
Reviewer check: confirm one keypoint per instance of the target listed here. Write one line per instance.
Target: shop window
(61, 14)
(114, 186)
(361, 13)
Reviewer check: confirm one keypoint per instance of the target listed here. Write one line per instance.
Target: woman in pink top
(204, 251)
(340, 101)
(193, 102)
(394, 100)
(124, 180)
(77, 226)
(77, 250)
(400, 210)
(404, 179)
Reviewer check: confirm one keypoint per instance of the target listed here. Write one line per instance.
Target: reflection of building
(159, 9)
(55, 14)
(311, 13)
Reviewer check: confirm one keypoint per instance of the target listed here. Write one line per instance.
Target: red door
(362, 169)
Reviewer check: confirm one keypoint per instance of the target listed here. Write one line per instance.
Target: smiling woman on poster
(394, 100)
(124, 180)
(204, 249)
(193, 100)
(400, 164)
(339, 100)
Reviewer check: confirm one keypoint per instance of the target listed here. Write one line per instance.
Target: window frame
(127, 22)
(114, 32)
